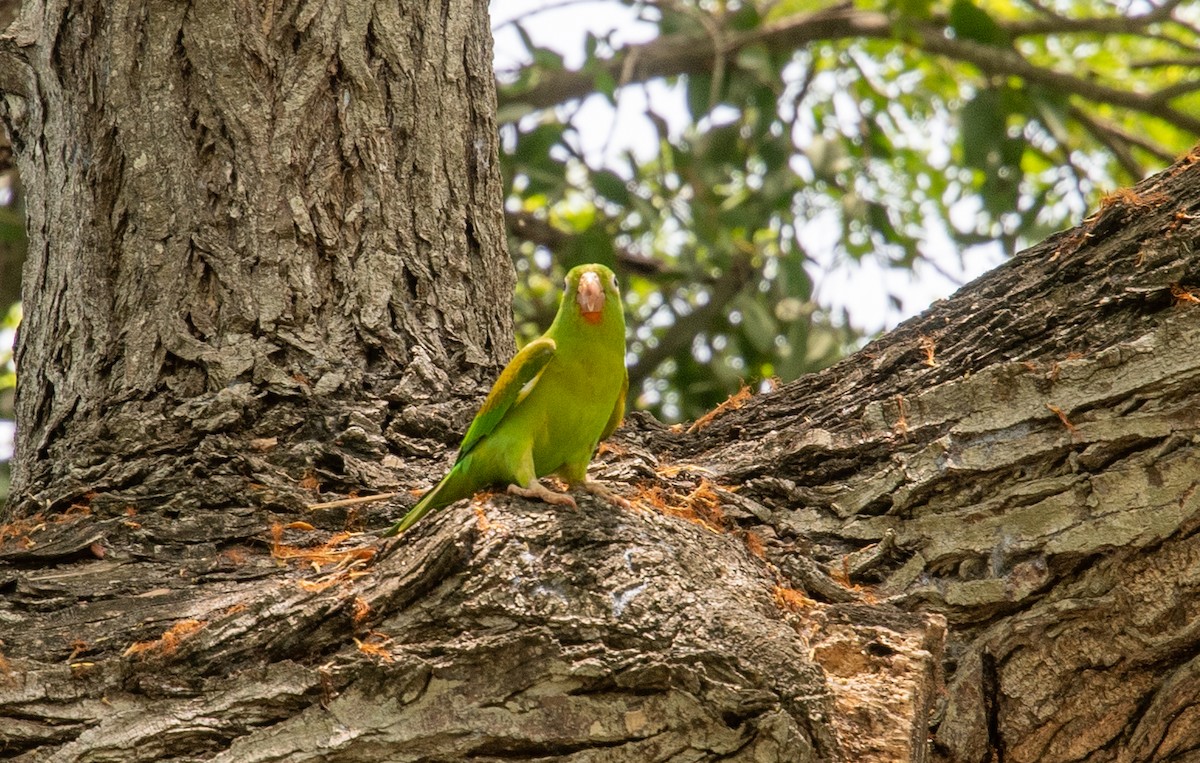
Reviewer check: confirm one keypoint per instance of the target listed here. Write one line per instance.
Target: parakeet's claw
(538, 491)
(598, 490)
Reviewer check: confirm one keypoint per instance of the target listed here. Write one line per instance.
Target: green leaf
(757, 60)
(536, 143)
(744, 18)
(877, 216)
(12, 228)
(782, 9)
(611, 186)
(758, 325)
(699, 95)
(593, 245)
(605, 83)
(547, 59)
(721, 143)
(1053, 111)
(911, 10)
(970, 22)
(775, 153)
(984, 126)
(881, 144)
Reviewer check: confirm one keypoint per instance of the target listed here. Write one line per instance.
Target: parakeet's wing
(618, 411)
(515, 381)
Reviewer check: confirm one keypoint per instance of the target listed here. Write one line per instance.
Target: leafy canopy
(890, 132)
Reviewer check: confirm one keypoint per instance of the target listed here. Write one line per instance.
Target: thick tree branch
(1155, 63)
(1003, 61)
(1055, 23)
(1032, 441)
(687, 54)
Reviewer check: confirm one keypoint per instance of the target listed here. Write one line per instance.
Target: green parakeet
(554, 402)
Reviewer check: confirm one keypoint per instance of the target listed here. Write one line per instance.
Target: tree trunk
(252, 227)
(974, 540)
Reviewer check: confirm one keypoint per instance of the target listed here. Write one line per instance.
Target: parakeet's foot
(598, 490)
(538, 491)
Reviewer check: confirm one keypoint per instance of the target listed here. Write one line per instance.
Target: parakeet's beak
(590, 297)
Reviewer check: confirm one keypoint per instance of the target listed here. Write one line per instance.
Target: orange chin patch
(592, 317)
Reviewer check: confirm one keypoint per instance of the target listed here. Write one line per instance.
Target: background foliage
(895, 132)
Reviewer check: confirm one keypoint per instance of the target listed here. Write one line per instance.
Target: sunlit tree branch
(687, 54)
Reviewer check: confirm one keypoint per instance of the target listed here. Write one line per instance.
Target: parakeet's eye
(614, 280)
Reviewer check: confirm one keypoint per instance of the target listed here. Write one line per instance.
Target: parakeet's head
(592, 291)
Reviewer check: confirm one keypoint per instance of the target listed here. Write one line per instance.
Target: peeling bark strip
(246, 221)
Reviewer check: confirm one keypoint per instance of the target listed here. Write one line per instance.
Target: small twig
(1122, 135)
(1174, 91)
(351, 501)
(1157, 63)
(1112, 140)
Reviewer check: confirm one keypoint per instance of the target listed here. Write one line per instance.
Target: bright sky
(861, 288)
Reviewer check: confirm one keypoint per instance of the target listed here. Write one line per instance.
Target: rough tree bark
(974, 540)
(249, 224)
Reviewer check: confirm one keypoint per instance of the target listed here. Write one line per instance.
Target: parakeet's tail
(416, 512)
(455, 485)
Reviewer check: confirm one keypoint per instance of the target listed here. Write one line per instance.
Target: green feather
(550, 407)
